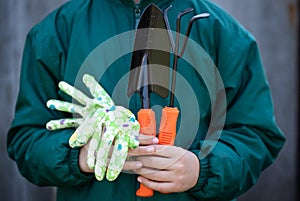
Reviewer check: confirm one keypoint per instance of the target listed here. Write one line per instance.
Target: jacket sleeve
(43, 157)
(250, 140)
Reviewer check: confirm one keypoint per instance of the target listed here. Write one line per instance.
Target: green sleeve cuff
(74, 166)
(204, 172)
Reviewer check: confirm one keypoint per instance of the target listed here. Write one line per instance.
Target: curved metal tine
(193, 19)
(178, 22)
(173, 83)
(165, 12)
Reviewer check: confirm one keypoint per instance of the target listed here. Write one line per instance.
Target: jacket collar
(143, 3)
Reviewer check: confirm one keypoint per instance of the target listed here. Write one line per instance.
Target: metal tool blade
(151, 32)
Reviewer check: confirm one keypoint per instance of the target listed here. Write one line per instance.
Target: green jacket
(57, 47)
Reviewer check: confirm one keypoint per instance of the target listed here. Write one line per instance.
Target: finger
(103, 151)
(93, 146)
(84, 132)
(73, 92)
(82, 159)
(163, 187)
(156, 162)
(132, 165)
(142, 150)
(130, 126)
(155, 175)
(169, 151)
(97, 91)
(118, 157)
(64, 106)
(63, 123)
(133, 138)
(147, 140)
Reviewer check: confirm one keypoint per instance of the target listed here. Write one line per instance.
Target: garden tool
(142, 78)
(139, 81)
(167, 130)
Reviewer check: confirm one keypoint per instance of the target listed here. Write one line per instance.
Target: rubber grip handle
(146, 118)
(167, 129)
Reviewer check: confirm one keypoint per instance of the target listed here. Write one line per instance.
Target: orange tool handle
(146, 118)
(167, 129)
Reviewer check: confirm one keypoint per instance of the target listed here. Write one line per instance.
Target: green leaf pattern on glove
(102, 123)
(101, 100)
(121, 132)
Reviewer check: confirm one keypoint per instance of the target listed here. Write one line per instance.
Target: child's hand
(129, 165)
(168, 168)
(142, 149)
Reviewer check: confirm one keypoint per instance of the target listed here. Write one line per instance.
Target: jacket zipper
(137, 12)
(137, 15)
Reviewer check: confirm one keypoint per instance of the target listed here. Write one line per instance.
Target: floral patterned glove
(102, 123)
(124, 133)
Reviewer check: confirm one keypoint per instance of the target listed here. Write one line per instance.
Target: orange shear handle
(167, 129)
(167, 134)
(146, 118)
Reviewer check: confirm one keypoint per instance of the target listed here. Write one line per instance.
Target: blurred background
(274, 23)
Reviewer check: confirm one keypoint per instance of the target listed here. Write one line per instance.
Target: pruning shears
(142, 76)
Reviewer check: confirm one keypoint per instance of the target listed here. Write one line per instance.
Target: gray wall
(16, 18)
(273, 23)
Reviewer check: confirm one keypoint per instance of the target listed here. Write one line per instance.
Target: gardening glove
(123, 133)
(95, 111)
(120, 126)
